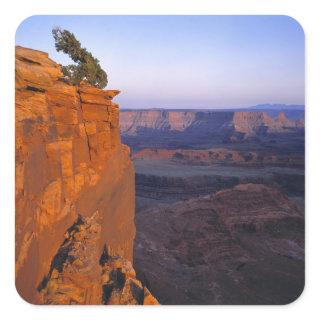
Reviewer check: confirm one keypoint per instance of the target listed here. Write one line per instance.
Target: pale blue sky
(186, 61)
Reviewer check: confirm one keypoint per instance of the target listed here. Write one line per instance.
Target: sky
(185, 61)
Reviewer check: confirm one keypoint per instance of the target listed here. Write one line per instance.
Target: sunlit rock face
(70, 163)
(81, 274)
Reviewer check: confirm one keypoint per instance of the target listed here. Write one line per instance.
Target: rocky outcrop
(243, 245)
(81, 274)
(70, 166)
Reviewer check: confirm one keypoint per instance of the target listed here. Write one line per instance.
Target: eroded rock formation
(247, 122)
(163, 129)
(243, 245)
(70, 166)
(133, 121)
(219, 156)
(255, 123)
(76, 277)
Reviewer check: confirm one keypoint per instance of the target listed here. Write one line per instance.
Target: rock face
(81, 274)
(243, 245)
(255, 123)
(133, 121)
(70, 166)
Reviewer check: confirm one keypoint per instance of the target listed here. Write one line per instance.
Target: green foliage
(86, 68)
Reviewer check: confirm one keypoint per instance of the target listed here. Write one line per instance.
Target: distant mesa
(282, 107)
(224, 124)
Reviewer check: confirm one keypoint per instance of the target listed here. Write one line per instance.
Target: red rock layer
(81, 274)
(218, 155)
(69, 162)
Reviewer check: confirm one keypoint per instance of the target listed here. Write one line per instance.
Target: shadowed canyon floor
(239, 246)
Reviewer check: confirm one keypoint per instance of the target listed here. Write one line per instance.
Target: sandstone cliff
(74, 191)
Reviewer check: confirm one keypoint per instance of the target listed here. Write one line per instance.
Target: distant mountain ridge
(291, 111)
(281, 107)
(265, 106)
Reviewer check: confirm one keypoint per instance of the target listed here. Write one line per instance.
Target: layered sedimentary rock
(248, 122)
(70, 166)
(252, 123)
(168, 189)
(81, 274)
(204, 129)
(243, 245)
(133, 121)
(220, 156)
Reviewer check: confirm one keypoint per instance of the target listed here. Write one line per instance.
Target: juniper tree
(86, 68)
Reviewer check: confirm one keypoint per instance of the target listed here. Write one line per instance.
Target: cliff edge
(74, 191)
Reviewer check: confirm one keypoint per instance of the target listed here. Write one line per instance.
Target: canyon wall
(132, 121)
(74, 191)
(260, 122)
(247, 122)
(185, 129)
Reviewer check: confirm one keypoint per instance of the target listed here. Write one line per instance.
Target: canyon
(219, 203)
(247, 122)
(179, 153)
(242, 245)
(75, 191)
(200, 129)
(148, 207)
